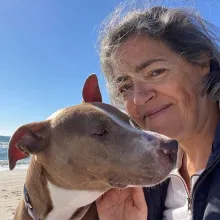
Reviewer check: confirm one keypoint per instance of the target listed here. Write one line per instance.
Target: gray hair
(182, 30)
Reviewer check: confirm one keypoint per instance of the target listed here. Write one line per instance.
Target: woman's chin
(169, 131)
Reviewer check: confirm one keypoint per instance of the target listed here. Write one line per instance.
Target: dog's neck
(52, 202)
(36, 185)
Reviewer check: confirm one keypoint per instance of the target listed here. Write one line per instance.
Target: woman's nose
(143, 93)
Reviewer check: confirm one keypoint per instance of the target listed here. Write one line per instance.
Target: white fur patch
(66, 202)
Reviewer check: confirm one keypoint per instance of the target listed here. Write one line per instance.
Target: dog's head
(92, 145)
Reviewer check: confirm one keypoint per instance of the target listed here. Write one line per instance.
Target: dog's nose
(169, 147)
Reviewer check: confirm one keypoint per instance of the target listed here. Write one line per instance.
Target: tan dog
(82, 151)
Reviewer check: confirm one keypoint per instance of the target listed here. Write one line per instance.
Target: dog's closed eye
(101, 132)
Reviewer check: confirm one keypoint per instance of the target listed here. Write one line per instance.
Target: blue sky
(47, 49)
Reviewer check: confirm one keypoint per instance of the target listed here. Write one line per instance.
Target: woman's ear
(211, 85)
(204, 63)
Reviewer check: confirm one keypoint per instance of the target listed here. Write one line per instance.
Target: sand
(11, 189)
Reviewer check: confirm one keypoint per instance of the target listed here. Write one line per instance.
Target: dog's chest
(66, 202)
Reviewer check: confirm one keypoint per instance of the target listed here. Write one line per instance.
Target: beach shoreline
(11, 190)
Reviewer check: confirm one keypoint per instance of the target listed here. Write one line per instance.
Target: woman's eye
(125, 88)
(101, 132)
(157, 72)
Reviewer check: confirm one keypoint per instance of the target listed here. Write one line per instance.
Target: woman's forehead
(139, 44)
(134, 55)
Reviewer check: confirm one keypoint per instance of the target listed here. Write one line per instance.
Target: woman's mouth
(156, 111)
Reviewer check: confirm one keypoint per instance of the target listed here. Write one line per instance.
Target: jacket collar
(215, 154)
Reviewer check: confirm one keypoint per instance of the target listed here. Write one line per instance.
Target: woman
(163, 66)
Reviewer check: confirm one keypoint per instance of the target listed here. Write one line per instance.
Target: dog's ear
(27, 139)
(91, 91)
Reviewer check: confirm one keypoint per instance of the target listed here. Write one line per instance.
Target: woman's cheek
(132, 111)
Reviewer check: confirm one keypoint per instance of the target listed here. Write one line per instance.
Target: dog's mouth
(144, 178)
(134, 181)
(116, 184)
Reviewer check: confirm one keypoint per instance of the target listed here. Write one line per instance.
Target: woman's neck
(198, 148)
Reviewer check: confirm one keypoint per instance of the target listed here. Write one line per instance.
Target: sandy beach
(11, 189)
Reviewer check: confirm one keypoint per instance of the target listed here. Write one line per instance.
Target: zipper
(186, 188)
(190, 194)
(189, 200)
(192, 188)
(180, 177)
(199, 180)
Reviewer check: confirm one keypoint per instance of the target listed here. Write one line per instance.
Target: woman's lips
(156, 112)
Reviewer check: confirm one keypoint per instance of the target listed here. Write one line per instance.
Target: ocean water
(4, 165)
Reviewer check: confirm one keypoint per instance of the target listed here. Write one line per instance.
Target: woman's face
(160, 90)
